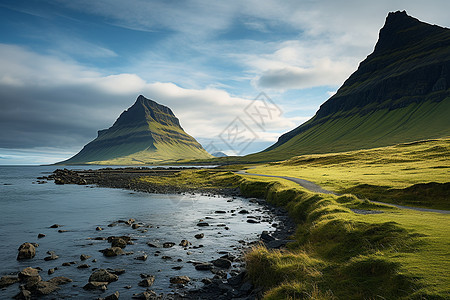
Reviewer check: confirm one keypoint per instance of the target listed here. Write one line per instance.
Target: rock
(61, 231)
(114, 296)
(60, 280)
(23, 295)
(118, 242)
(96, 285)
(46, 287)
(252, 221)
(29, 274)
(103, 275)
(266, 237)
(206, 281)
(51, 271)
(220, 212)
(203, 224)
(52, 256)
(168, 244)
(41, 235)
(199, 236)
(153, 245)
(66, 264)
(238, 279)
(246, 287)
(99, 228)
(147, 295)
(113, 251)
(55, 226)
(147, 282)
(116, 271)
(166, 257)
(127, 239)
(203, 267)
(84, 257)
(275, 244)
(243, 211)
(142, 257)
(177, 268)
(84, 266)
(26, 251)
(222, 263)
(136, 226)
(180, 280)
(184, 243)
(8, 280)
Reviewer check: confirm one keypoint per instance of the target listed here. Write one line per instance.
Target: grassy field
(416, 174)
(336, 253)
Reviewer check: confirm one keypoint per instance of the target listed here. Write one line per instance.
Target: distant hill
(400, 93)
(146, 133)
(219, 154)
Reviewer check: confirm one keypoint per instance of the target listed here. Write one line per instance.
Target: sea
(29, 208)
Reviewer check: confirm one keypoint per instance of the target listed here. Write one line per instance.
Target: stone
(96, 285)
(147, 295)
(114, 296)
(184, 243)
(118, 242)
(84, 257)
(147, 282)
(153, 245)
(29, 273)
(41, 235)
(206, 281)
(113, 251)
(220, 212)
(168, 245)
(23, 295)
(203, 224)
(98, 228)
(142, 257)
(103, 275)
(266, 237)
(253, 221)
(52, 256)
(84, 266)
(199, 236)
(51, 271)
(62, 230)
(243, 211)
(203, 267)
(116, 271)
(222, 263)
(55, 226)
(180, 280)
(136, 226)
(26, 251)
(8, 280)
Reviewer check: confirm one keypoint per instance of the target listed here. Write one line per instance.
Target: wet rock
(118, 242)
(147, 295)
(220, 212)
(153, 245)
(114, 296)
(147, 282)
(200, 236)
(55, 226)
(98, 228)
(206, 281)
(29, 274)
(84, 257)
(222, 263)
(62, 230)
(136, 226)
(84, 266)
(166, 257)
(184, 243)
(41, 235)
(23, 295)
(276, 244)
(47, 287)
(266, 236)
(203, 224)
(26, 251)
(252, 221)
(237, 280)
(8, 280)
(168, 245)
(180, 280)
(116, 271)
(177, 268)
(96, 285)
(103, 275)
(51, 271)
(203, 267)
(52, 256)
(113, 251)
(243, 211)
(142, 257)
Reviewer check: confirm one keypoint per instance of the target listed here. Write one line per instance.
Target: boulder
(29, 274)
(147, 295)
(168, 244)
(199, 235)
(202, 224)
(52, 256)
(23, 295)
(180, 280)
(8, 280)
(26, 251)
(184, 243)
(147, 281)
(103, 275)
(222, 263)
(153, 245)
(118, 242)
(113, 251)
(41, 235)
(203, 267)
(96, 285)
(114, 296)
(84, 257)
(84, 266)
(142, 257)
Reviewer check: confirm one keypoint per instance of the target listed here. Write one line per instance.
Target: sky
(69, 68)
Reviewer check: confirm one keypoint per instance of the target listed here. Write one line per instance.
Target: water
(27, 209)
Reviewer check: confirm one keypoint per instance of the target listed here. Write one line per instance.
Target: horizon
(69, 69)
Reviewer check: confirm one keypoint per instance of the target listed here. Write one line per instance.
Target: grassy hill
(146, 133)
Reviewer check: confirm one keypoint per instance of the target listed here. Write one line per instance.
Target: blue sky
(69, 68)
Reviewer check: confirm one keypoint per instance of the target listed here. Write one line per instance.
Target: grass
(415, 174)
(336, 253)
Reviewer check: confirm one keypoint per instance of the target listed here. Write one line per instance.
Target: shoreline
(223, 285)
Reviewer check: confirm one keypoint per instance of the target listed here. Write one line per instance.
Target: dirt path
(318, 189)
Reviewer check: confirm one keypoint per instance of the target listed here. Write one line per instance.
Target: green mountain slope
(400, 93)
(146, 133)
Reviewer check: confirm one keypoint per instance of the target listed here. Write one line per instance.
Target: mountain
(146, 133)
(219, 154)
(399, 93)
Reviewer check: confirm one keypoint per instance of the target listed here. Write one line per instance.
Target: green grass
(415, 174)
(336, 253)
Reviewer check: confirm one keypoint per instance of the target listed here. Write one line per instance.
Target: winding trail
(311, 186)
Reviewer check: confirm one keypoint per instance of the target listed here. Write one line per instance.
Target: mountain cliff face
(146, 133)
(400, 93)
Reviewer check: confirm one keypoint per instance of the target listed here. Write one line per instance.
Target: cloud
(55, 103)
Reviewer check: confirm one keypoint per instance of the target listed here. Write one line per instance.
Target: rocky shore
(228, 272)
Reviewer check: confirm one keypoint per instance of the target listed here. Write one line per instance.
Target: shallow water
(27, 209)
